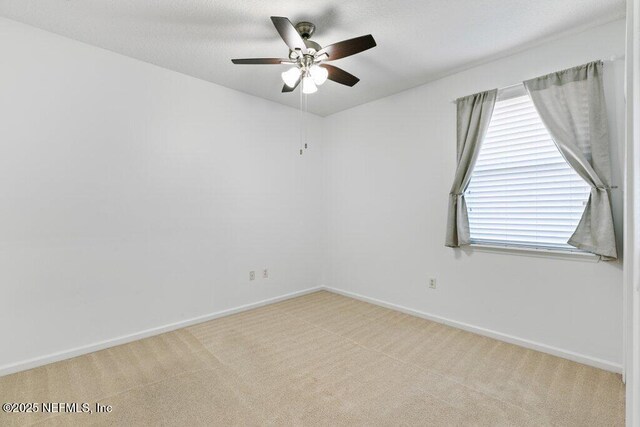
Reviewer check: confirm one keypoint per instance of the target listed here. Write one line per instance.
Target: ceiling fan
(308, 57)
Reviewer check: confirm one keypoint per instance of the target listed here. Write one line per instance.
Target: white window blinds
(522, 191)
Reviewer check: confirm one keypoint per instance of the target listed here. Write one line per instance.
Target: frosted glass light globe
(291, 76)
(318, 74)
(308, 85)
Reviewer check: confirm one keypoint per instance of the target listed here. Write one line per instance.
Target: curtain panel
(572, 107)
(473, 117)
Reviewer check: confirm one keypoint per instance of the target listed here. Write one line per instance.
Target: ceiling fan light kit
(312, 76)
(308, 58)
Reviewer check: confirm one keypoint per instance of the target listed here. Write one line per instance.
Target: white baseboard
(90, 348)
(565, 354)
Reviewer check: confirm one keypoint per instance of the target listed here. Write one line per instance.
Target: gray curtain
(474, 115)
(572, 107)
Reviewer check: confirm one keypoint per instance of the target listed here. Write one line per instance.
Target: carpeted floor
(320, 359)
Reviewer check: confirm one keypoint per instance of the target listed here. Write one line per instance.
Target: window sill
(536, 252)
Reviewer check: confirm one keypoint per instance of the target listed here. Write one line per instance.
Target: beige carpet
(321, 359)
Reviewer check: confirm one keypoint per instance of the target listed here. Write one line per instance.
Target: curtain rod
(612, 58)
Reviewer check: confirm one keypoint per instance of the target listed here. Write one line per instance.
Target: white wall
(133, 197)
(390, 164)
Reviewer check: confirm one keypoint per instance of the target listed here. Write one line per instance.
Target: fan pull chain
(306, 115)
(301, 119)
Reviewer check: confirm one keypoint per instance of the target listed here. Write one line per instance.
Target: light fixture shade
(291, 76)
(319, 74)
(308, 86)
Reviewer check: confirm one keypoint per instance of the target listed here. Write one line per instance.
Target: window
(522, 192)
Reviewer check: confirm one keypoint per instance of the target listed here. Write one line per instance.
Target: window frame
(576, 254)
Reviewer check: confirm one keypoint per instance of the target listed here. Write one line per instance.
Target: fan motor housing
(306, 30)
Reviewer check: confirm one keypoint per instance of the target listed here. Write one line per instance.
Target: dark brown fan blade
(262, 61)
(289, 33)
(339, 75)
(286, 88)
(348, 47)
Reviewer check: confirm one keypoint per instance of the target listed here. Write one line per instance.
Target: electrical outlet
(265, 274)
(432, 283)
(252, 275)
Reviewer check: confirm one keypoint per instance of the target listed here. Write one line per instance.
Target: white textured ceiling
(418, 40)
